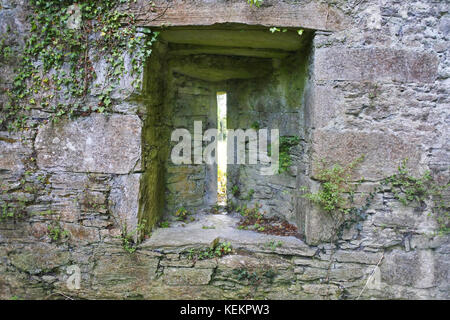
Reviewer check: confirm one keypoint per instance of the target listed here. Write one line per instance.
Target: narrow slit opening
(221, 148)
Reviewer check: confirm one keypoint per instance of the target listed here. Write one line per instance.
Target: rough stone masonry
(372, 78)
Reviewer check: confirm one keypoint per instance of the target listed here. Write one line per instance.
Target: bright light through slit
(222, 148)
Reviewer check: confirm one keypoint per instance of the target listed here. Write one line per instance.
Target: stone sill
(179, 238)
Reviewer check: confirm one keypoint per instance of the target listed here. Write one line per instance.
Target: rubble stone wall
(378, 84)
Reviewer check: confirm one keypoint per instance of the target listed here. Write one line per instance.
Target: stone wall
(275, 101)
(378, 84)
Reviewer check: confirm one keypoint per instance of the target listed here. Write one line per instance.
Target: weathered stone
(78, 233)
(256, 39)
(185, 263)
(248, 262)
(315, 224)
(218, 68)
(401, 216)
(128, 78)
(125, 272)
(379, 87)
(347, 272)
(200, 292)
(124, 201)
(311, 274)
(322, 289)
(74, 20)
(315, 263)
(323, 105)
(104, 144)
(416, 269)
(383, 152)
(358, 257)
(37, 259)
(340, 63)
(308, 15)
(178, 237)
(186, 276)
(13, 152)
(183, 49)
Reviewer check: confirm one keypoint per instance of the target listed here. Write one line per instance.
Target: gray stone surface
(375, 64)
(193, 235)
(311, 15)
(103, 144)
(376, 82)
(13, 152)
(383, 151)
(124, 200)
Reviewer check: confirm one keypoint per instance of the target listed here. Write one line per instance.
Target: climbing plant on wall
(57, 64)
(336, 194)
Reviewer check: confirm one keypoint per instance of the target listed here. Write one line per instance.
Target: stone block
(383, 152)
(310, 15)
(315, 224)
(358, 257)
(124, 200)
(124, 272)
(415, 268)
(314, 263)
(13, 152)
(186, 276)
(39, 258)
(81, 234)
(375, 64)
(99, 144)
(325, 103)
(322, 289)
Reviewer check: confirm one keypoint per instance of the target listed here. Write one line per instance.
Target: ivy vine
(57, 64)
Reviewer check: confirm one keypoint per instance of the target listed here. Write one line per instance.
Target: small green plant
(182, 214)
(414, 191)
(231, 206)
(244, 274)
(215, 209)
(56, 233)
(216, 250)
(250, 194)
(6, 51)
(7, 211)
(164, 224)
(223, 249)
(251, 212)
(13, 211)
(286, 144)
(273, 244)
(254, 277)
(275, 29)
(257, 3)
(408, 189)
(255, 125)
(130, 240)
(259, 227)
(336, 194)
(336, 191)
(235, 191)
